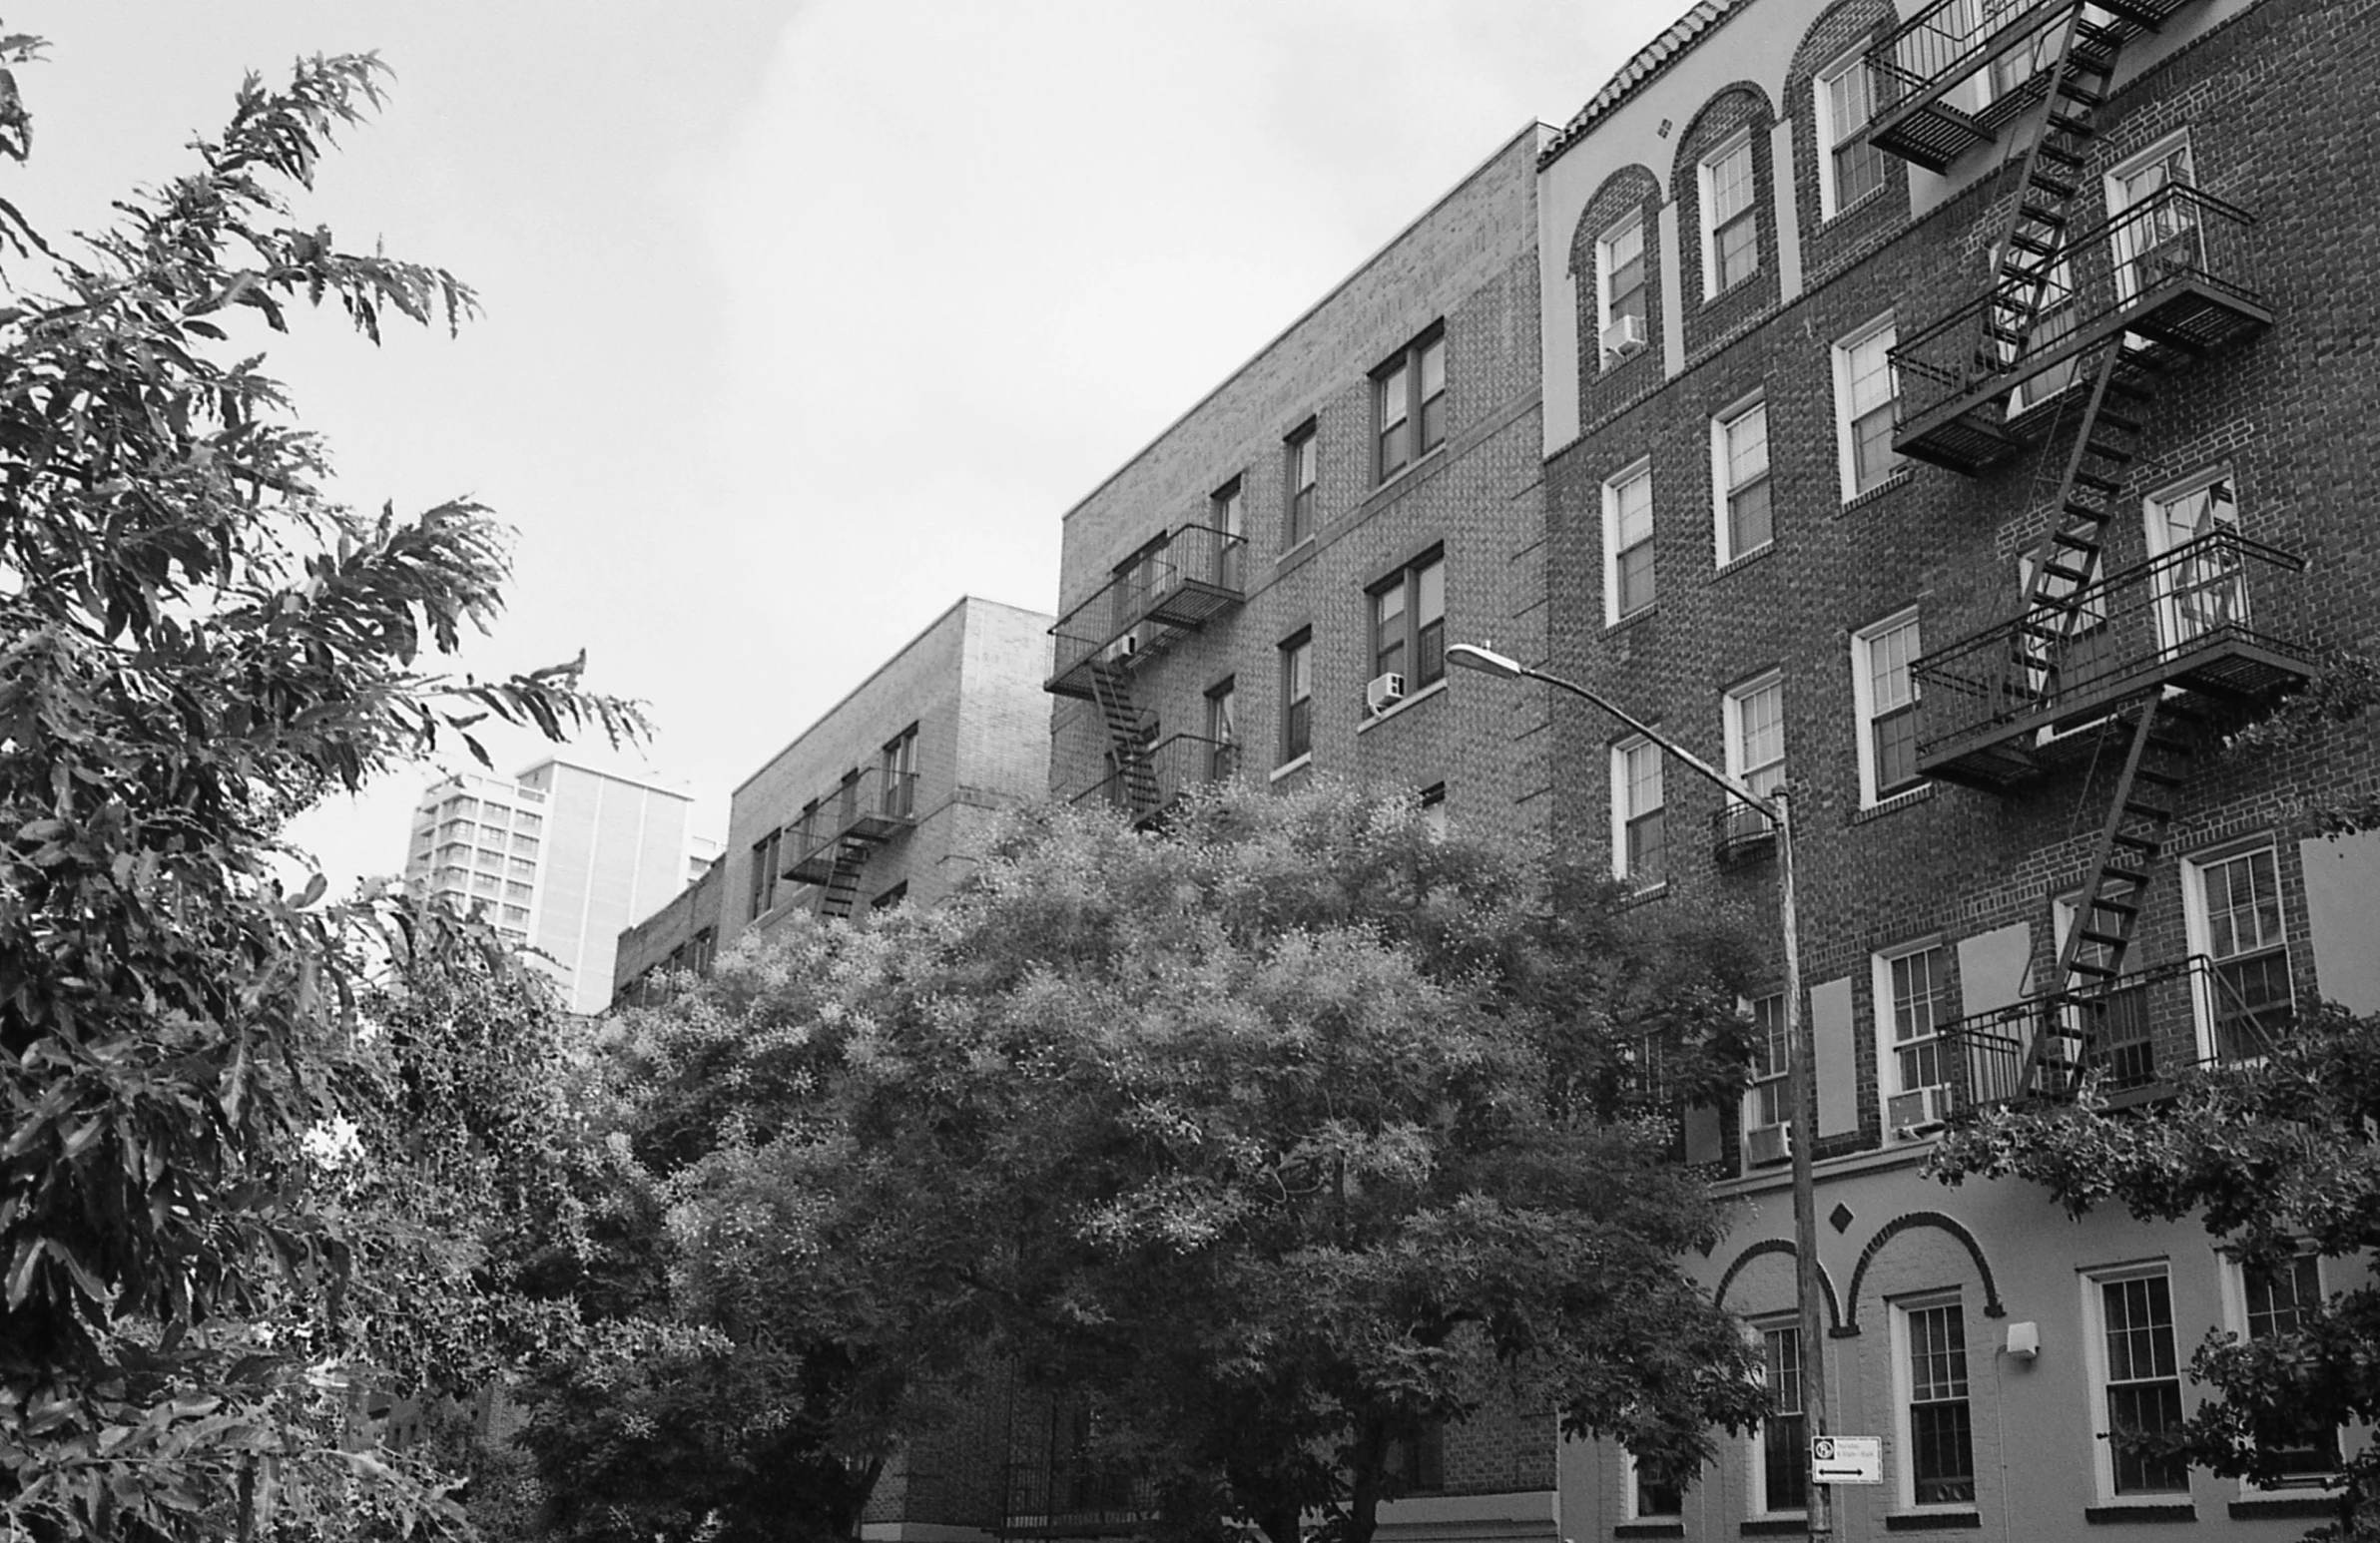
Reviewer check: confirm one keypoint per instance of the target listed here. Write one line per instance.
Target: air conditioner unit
(1623, 339)
(1384, 690)
(1768, 1144)
(1914, 1114)
(1120, 652)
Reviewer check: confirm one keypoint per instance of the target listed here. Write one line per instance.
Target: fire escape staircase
(1127, 738)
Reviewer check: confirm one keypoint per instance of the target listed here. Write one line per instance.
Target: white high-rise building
(561, 858)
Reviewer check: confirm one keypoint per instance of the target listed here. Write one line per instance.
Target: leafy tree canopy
(1254, 1140)
(2278, 1158)
(196, 644)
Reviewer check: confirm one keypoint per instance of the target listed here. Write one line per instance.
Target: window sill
(1710, 301)
(1901, 477)
(1953, 1520)
(1645, 614)
(1424, 695)
(1607, 369)
(1675, 1529)
(2145, 1513)
(1894, 804)
(1410, 467)
(1846, 210)
(1648, 893)
(1295, 555)
(2322, 1506)
(1790, 1525)
(1741, 561)
(1291, 768)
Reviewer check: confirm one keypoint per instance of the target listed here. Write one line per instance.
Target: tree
(196, 644)
(1253, 1141)
(2278, 1158)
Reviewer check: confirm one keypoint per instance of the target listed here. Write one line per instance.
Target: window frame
(900, 760)
(1301, 484)
(1296, 736)
(761, 893)
(1401, 385)
(1227, 518)
(2098, 1371)
(1833, 141)
(1632, 1492)
(1607, 295)
(2199, 931)
(1732, 705)
(1942, 1002)
(1222, 728)
(2120, 200)
(1626, 815)
(1707, 182)
(1904, 1348)
(1415, 641)
(1862, 692)
(1725, 489)
(1639, 470)
(1756, 1477)
(2237, 1319)
(1769, 1070)
(1847, 424)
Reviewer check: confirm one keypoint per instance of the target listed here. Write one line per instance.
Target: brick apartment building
(884, 799)
(1962, 409)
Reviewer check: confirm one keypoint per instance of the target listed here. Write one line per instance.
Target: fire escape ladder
(2025, 272)
(1127, 738)
(842, 885)
(2060, 604)
(2108, 912)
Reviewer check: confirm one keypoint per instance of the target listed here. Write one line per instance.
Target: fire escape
(831, 844)
(1169, 589)
(2081, 322)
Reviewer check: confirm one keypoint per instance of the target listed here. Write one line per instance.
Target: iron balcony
(1992, 706)
(871, 807)
(1173, 586)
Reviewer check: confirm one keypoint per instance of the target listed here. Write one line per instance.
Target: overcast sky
(805, 318)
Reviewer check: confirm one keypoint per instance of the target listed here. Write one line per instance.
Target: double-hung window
(1297, 697)
(1408, 624)
(1767, 1105)
(1885, 693)
(1784, 1427)
(1409, 404)
(1227, 518)
(2199, 585)
(1302, 473)
(1913, 1000)
(1639, 841)
(899, 796)
(2139, 1381)
(1932, 1372)
(1730, 217)
(1655, 1489)
(763, 873)
(2156, 223)
(1855, 169)
(2232, 904)
(1629, 542)
(1755, 729)
(1620, 310)
(1739, 470)
(1867, 394)
(1223, 734)
(2278, 1300)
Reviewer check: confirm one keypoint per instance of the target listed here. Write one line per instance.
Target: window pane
(1738, 250)
(1869, 371)
(1633, 509)
(1635, 579)
(1731, 185)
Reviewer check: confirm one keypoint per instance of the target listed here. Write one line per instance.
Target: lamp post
(1802, 1068)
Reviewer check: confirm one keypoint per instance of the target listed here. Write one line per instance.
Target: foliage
(196, 644)
(2276, 1158)
(1254, 1141)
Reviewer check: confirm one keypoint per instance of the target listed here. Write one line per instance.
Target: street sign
(1847, 1460)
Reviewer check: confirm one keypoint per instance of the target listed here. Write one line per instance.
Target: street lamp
(1802, 1072)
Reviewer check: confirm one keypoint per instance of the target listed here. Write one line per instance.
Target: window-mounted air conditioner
(1120, 652)
(1623, 339)
(1768, 1144)
(1914, 1114)
(1384, 690)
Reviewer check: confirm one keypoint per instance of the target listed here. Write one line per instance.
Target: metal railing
(1069, 1498)
(869, 807)
(1171, 767)
(1951, 40)
(2136, 1031)
(1740, 832)
(2119, 270)
(2132, 630)
(1172, 585)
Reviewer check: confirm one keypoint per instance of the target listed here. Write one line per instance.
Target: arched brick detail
(1631, 188)
(1994, 1308)
(1732, 110)
(1784, 1246)
(1826, 241)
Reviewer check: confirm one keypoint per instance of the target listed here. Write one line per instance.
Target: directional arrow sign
(1847, 1460)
